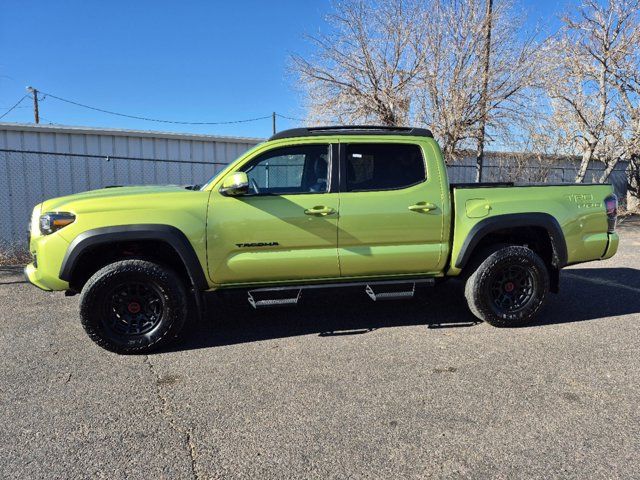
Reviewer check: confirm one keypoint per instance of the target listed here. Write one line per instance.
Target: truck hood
(97, 198)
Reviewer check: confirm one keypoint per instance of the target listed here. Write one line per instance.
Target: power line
(149, 119)
(136, 117)
(9, 111)
(304, 120)
(291, 118)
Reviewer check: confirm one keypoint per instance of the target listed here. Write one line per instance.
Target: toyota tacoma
(326, 207)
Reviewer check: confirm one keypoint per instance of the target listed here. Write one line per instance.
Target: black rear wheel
(512, 287)
(508, 287)
(133, 306)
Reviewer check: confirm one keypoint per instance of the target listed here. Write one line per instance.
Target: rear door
(391, 215)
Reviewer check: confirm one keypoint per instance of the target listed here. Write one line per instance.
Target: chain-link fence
(29, 177)
(537, 174)
(540, 174)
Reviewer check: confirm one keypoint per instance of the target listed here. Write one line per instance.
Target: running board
(376, 290)
(272, 298)
(390, 292)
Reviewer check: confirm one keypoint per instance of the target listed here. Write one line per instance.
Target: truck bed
(577, 209)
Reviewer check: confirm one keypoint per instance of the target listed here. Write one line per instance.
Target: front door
(285, 228)
(391, 216)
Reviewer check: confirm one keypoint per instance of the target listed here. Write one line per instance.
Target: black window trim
(332, 181)
(343, 167)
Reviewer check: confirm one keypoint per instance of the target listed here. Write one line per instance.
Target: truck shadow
(586, 294)
(11, 274)
(592, 294)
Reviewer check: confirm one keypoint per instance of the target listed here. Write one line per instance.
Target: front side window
(290, 170)
(379, 166)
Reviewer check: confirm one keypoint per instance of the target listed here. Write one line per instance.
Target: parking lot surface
(339, 387)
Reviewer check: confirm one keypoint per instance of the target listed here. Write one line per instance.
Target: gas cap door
(477, 207)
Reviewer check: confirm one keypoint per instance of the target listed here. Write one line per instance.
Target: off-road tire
(483, 286)
(102, 324)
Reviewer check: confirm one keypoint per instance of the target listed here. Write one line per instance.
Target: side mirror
(235, 184)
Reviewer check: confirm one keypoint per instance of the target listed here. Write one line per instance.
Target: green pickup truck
(326, 207)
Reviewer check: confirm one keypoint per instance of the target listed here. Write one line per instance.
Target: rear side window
(380, 166)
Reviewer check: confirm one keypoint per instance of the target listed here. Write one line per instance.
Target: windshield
(217, 174)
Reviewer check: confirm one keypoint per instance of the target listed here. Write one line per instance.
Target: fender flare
(515, 220)
(166, 233)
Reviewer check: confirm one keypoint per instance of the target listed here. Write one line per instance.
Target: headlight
(51, 222)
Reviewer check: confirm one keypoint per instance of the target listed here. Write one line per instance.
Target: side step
(376, 290)
(265, 297)
(390, 291)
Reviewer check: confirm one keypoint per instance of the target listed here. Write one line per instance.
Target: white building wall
(26, 179)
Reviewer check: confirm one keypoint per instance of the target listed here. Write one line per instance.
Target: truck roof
(352, 130)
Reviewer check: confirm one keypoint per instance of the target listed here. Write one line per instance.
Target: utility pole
(273, 122)
(485, 92)
(36, 112)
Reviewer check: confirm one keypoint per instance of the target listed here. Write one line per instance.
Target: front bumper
(49, 251)
(45, 277)
(31, 274)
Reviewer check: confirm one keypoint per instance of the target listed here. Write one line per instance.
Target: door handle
(320, 211)
(422, 207)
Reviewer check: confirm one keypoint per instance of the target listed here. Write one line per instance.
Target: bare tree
(467, 96)
(626, 78)
(541, 148)
(379, 56)
(470, 73)
(580, 72)
(448, 83)
(363, 68)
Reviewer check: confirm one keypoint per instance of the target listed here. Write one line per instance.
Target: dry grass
(14, 254)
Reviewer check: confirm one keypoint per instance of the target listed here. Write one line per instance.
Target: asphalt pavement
(339, 387)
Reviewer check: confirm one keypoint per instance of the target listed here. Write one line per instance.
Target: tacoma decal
(258, 244)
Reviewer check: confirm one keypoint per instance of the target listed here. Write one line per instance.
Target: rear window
(380, 166)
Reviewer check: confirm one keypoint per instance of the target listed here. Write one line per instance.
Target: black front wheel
(508, 287)
(133, 306)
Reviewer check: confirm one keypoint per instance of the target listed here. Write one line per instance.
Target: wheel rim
(512, 288)
(134, 308)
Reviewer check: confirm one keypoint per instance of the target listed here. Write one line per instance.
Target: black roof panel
(352, 130)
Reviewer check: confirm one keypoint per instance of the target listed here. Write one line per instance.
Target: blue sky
(178, 60)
